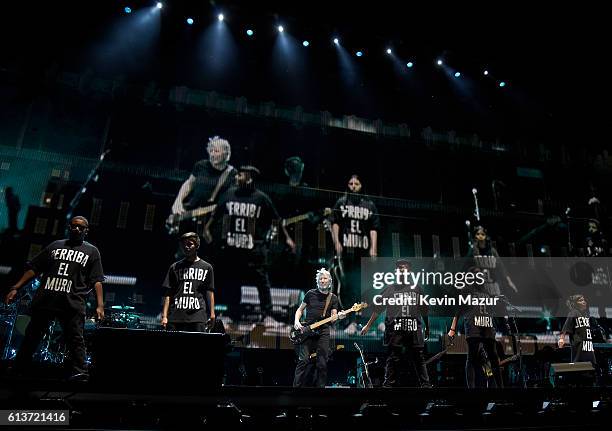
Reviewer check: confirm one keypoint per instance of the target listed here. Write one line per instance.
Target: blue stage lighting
(220, 17)
(280, 28)
(190, 21)
(336, 41)
(305, 43)
(389, 51)
(160, 5)
(439, 62)
(409, 64)
(250, 32)
(485, 73)
(502, 84)
(359, 54)
(127, 9)
(457, 74)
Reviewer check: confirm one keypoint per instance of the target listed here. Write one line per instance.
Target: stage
(104, 406)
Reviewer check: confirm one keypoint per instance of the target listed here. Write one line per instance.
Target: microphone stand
(569, 232)
(517, 338)
(368, 383)
(93, 176)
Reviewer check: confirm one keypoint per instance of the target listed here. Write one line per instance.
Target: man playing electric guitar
(209, 179)
(313, 353)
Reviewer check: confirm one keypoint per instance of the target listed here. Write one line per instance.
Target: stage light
(336, 41)
(220, 17)
(502, 84)
(281, 28)
(485, 73)
(359, 54)
(410, 64)
(305, 43)
(127, 9)
(160, 5)
(190, 21)
(250, 32)
(439, 62)
(457, 74)
(389, 51)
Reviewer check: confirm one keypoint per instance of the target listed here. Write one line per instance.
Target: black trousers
(473, 364)
(186, 326)
(350, 292)
(72, 323)
(403, 354)
(311, 371)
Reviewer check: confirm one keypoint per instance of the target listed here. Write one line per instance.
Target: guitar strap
(327, 301)
(220, 182)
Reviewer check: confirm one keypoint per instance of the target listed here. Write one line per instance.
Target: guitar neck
(295, 219)
(198, 212)
(507, 360)
(326, 320)
(301, 217)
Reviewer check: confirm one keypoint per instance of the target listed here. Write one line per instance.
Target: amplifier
(167, 361)
(572, 374)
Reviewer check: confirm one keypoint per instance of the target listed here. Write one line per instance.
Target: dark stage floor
(182, 406)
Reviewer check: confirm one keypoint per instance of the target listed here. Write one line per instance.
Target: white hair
(318, 276)
(223, 144)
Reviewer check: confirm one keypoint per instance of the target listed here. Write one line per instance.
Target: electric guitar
(272, 234)
(298, 336)
(487, 369)
(451, 343)
(173, 221)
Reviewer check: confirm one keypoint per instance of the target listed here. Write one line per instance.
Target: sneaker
(351, 329)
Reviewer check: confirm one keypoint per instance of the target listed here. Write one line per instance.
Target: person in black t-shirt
(246, 214)
(313, 353)
(578, 327)
(209, 179)
(483, 255)
(355, 225)
(189, 290)
(68, 269)
(404, 335)
(480, 333)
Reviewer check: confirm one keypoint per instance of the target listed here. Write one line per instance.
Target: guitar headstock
(358, 307)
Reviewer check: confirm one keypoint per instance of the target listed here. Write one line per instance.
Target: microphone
(104, 154)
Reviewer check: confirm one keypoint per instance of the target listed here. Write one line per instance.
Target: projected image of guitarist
(209, 179)
(313, 352)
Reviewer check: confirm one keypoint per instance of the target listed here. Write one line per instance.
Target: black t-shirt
(206, 179)
(247, 216)
(478, 320)
(578, 326)
(186, 284)
(356, 216)
(407, 313)
(315, 304)
(68, 272)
